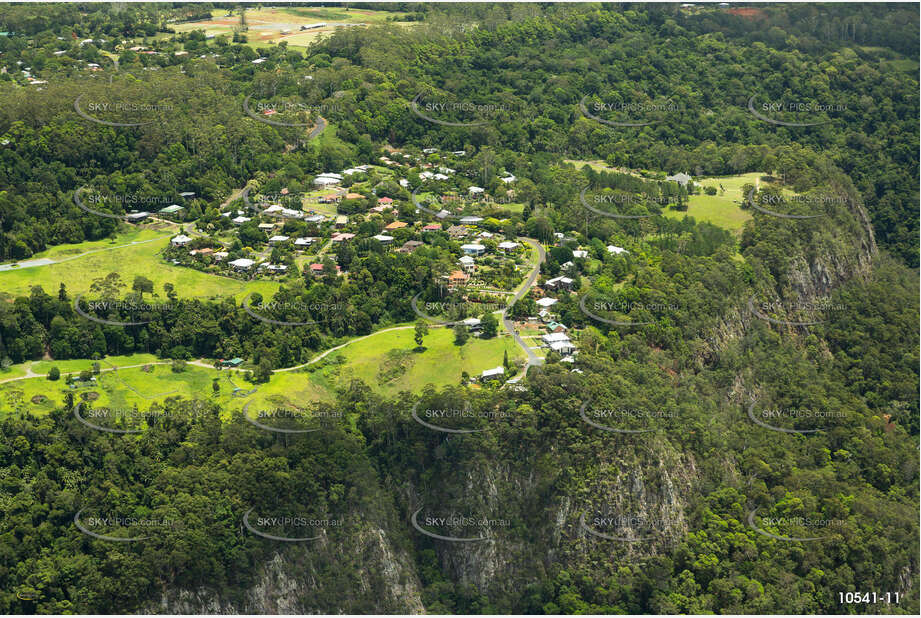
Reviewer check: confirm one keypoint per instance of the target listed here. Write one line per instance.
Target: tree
(461, 335)
(490, 325)
(54, 374)
(178, 365)
(422, 329)
(142, 284)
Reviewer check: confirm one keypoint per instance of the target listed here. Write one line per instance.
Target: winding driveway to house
(533, 359)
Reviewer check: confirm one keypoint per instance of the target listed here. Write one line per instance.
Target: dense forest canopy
(576, 119)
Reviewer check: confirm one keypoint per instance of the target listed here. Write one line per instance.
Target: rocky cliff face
(367, 575)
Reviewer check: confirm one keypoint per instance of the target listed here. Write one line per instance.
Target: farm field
(386, 361)
(129, 261)
(266, 25)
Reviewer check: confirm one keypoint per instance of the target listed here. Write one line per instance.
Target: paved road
(321, 124)
(533, 359)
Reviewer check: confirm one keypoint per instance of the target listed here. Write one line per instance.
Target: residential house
(556, 327)
(458, 277)
(267, 227)
(240, 220)
(410, 245)
(470, 220)
(242, 264)
(432, 227)
(396, 225)
(383, 239)
(457, 231)
(497, 373)
(341, 221)
(507, 246)
(172, 209)
(559, 283)
(681, 178)
(546, 302)
(473, 249)
(137, 216)
(180, 241)
(342, 236)
(467, 263)
(303, 243)
(274, 240)
(616, 250)
(476, 190)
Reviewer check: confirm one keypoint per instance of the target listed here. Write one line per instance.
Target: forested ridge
(716, 489)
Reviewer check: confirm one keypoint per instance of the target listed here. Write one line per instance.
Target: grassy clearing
(393, 366)
(723, 208)
(386, 361)
(129, 261)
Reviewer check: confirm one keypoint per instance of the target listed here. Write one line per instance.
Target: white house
(546, 302)
(242, 264)
(508, 245)
(616, 250)
(476, 190)
(681, 178)
(492, 374)
(562, 347)
(508, 179)
(559, 282)
(240, 220)
(277, 239)
(303, 242)
(467, 263)
(580, 253)
(470, 220)
(473, 249)
(549, 338)
(180, 241)
(383, 239)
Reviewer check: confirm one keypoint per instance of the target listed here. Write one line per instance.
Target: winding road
(533, 359)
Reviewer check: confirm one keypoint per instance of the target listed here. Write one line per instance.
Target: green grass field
(78, 272)
(386, 361)
(721, 209)
(391, 366)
